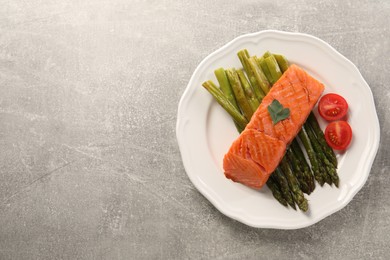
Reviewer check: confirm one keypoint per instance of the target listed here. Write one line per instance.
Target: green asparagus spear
(270, 67)
(224, 85)
(276, 192)
(330, 169)
(273, 68)
(284, 188)
(224, 102)
(243, 55)
(282, 62)
(266, 54)
(259, 75)
(303, 163)
(238, 91)
(263, 65)
(312, 156)
(312, 120)
(253, 101)
(293, 183)
(323, 170)
(298, 171)
(325, 175)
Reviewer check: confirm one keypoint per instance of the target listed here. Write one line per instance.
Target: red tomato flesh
(332, 107)
(338, 135)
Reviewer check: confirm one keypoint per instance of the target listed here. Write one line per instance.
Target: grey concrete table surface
(89, 162)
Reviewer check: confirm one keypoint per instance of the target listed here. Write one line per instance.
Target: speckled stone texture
(89, 162)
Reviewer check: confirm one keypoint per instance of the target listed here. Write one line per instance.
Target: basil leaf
(277, 111)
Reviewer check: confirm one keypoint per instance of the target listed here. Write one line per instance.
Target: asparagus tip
(304, 206)
(293, 206)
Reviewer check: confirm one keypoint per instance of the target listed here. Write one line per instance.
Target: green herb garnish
(277, 111)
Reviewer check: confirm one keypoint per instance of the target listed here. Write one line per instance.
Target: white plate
(205, 132)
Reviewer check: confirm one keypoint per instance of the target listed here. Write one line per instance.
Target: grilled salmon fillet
(256, 153)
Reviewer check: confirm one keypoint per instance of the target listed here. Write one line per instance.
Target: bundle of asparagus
(240, 92)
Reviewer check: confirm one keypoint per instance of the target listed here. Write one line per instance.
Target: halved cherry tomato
(338, 135)
(332, 107)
